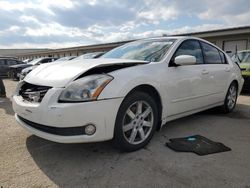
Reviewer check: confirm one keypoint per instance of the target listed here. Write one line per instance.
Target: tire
(231, 98)
(136, 122)
(15, 77)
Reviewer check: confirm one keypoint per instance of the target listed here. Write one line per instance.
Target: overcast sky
(64, 23)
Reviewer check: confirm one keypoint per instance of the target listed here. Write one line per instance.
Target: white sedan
(127, 94)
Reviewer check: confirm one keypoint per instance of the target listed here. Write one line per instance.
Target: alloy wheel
(232, 97)
(138, 122)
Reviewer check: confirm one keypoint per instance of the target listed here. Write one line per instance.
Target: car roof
(171, 37)
(9, 58)
(244, 51)
(180, 38)
(41, 58)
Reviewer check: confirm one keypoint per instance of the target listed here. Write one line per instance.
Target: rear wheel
(136, 122)
(231, 98)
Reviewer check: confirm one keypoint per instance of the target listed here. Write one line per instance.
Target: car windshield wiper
(150, 56)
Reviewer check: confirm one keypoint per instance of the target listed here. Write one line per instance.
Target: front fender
(127, 79)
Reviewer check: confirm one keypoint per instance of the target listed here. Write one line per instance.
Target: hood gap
(105, 69)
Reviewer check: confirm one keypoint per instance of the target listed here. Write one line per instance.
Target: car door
(3, 67)
(188, 85)
(10, 62)
(217, 66)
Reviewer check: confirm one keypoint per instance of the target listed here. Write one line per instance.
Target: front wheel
(136, 122)
(231, 98)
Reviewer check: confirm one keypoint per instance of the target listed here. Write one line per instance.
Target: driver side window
(190, 47)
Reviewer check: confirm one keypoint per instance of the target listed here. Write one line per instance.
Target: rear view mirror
(185, 60)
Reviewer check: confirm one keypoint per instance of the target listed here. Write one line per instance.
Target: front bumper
(20, 76)
(56, 115)
(15, 73)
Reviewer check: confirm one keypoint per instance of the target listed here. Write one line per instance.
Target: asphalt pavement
(29, 161)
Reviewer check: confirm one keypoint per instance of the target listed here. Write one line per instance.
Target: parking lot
(29, 161)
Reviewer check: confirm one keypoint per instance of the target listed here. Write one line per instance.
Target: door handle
(204, 72)
(227, 69)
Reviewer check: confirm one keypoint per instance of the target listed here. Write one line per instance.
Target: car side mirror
(185, 60)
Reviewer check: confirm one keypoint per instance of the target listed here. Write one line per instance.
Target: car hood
(61, 74)
(20, 66)
(29, 68)
(245, 69)
(244, 65)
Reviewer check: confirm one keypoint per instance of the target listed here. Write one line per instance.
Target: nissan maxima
(128, 93)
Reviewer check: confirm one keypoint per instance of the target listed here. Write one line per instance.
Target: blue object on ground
(191, 139)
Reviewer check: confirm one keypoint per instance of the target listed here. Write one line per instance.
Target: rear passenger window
(223, 59)
(190, 47)
(211, 54)
(11, 62)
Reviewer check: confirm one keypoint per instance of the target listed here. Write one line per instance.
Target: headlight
(85, 89)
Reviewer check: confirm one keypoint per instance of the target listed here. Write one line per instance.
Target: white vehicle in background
(67, 58)
(92, 55)
(27, 60)
(128, 93)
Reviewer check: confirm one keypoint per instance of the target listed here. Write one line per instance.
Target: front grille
(65, 131)
(33, 93)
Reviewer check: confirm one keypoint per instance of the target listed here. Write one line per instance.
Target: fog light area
(90, 129)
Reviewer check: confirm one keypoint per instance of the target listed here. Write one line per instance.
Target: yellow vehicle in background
(242, 58)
